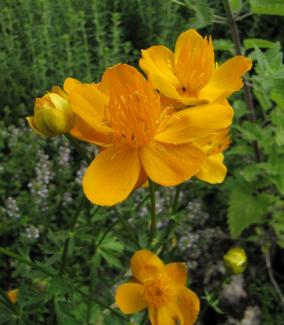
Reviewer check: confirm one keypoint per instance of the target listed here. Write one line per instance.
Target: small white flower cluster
(64, 155)
(12, 208)
(32, 232)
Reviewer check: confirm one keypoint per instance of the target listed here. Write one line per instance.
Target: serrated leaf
(267, 7)
(245, 208)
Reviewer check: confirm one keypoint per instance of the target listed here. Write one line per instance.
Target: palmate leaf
(245, 208)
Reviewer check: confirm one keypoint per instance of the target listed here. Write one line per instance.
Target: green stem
(79, 148)
(99, 302)
(171, 223)
(127, 228)
(71, 229)
(247, 92)
(153, 226)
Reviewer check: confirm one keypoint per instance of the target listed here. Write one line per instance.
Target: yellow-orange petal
(142, 180)
(188, 304)
(88, 102)
(69, 83)
(169, 315)
(159, 60)
(194, 60)
(85, 132)
(112, 175)
(213, 171)
(129, 298)
(177, 272)
(226, 79)
(197, 122)
(32, 125)
(145, 264)
(168, 164)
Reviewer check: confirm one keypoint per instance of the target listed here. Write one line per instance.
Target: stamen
(158, 291)
(134, 116)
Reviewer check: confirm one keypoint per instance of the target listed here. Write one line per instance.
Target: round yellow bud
(236, 260)
(52, 114)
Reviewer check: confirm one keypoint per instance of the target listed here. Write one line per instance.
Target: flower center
(158, 291)
(134, 117)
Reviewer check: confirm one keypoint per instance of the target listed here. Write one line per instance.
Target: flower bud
(13, 295)
(52, 114)
(236, 260)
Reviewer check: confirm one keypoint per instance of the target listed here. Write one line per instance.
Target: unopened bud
(236, 260)
(52, 114)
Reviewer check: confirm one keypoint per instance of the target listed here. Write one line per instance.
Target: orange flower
(214, 170)
(140, 139)
(190, 75)
(160, 288)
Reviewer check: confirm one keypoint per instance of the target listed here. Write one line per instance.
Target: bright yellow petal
(122, 80)
(213, 171)
(194, 123)
(226, 79)
(194, 60)
(177, 272)
(188, 304)
(142, 180)
(69, 83)
(169, 165)
(129, 298)
(145, 264)
(112, 175)
(85, 132)
(89, 105)
(30, 120)
(169, 315)
(159, 60)
(152, 313)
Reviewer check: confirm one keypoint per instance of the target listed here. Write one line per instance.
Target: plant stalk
(247, 92)
(153, 226)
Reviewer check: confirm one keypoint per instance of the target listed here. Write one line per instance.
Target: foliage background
(45, 41)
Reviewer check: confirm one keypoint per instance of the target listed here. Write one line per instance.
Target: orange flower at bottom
(160, 288)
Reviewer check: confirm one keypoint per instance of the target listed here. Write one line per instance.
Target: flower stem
(64, 257)
(128, 229)
(247, 92)
(153, 227)
(171, 223)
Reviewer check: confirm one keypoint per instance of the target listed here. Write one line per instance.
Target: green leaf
(278, 226)
(110, 250)
(267, 7)
(223, 45)
(251, 43)
(277, 94)
(245, 208)
(236, 5)
(202, 13)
